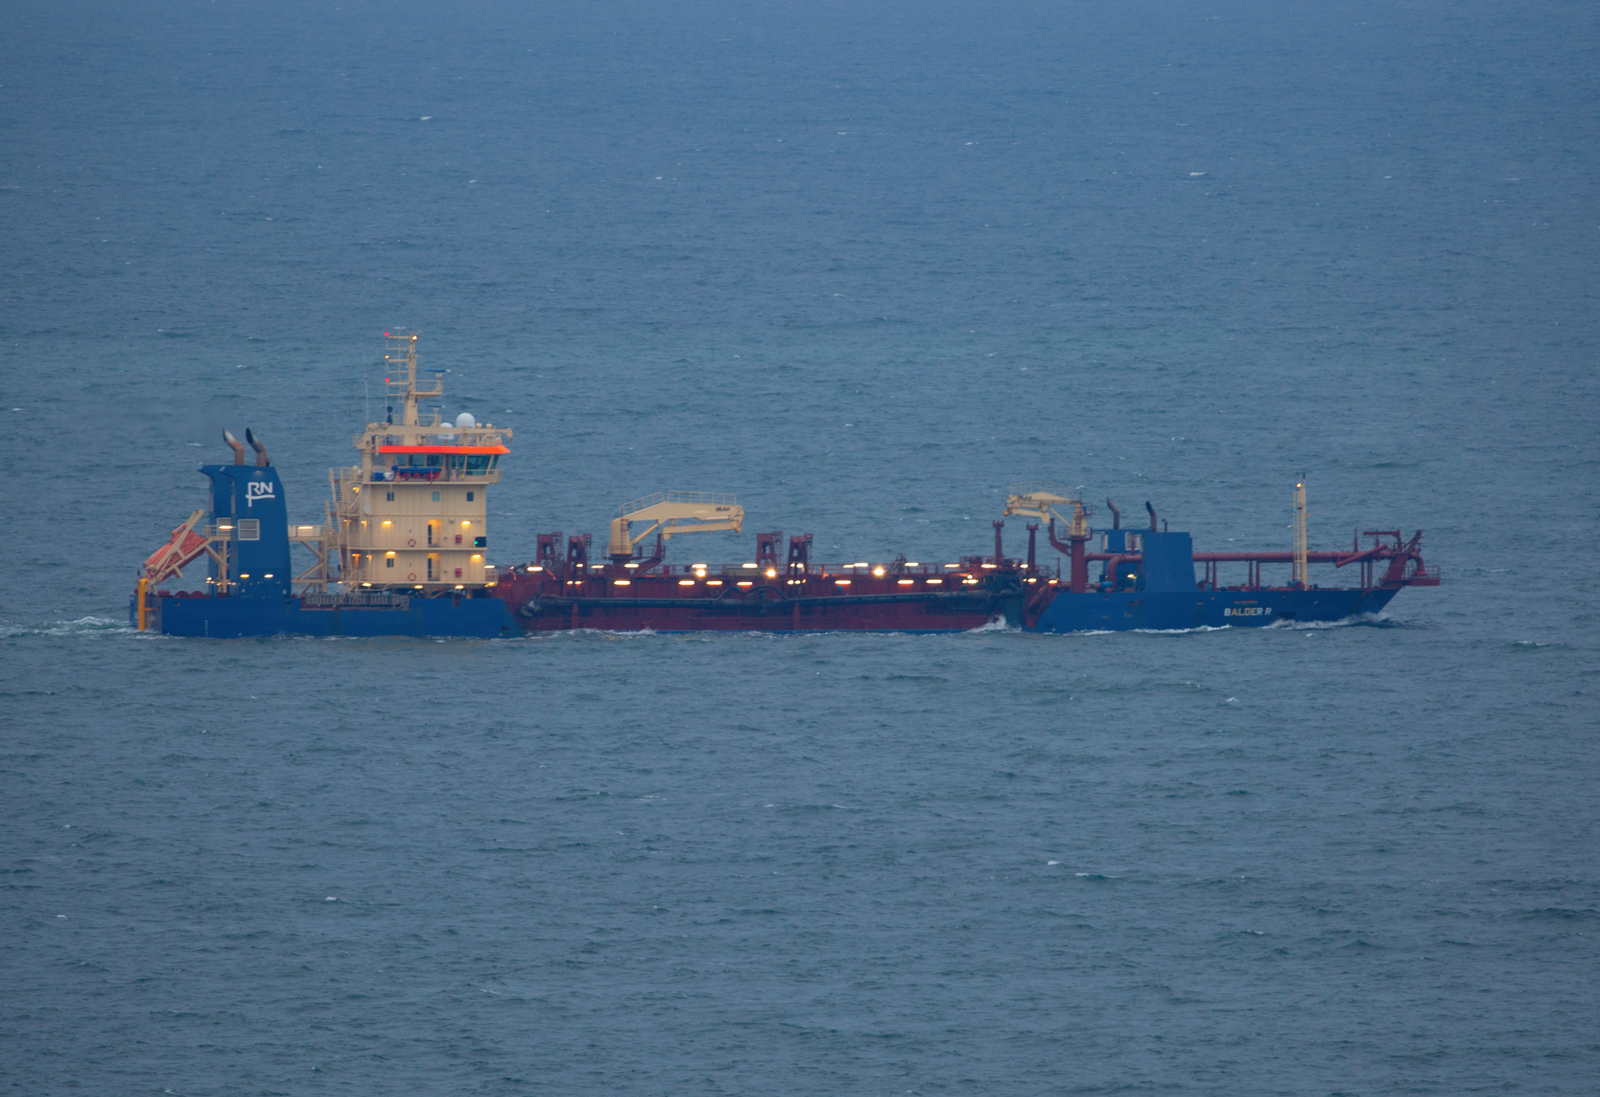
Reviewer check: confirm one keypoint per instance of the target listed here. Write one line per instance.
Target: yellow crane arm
(673, 512)
(1034, 502)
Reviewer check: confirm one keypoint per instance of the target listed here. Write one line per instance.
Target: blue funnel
(251, 500)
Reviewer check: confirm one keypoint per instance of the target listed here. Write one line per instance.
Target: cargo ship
(403, 546)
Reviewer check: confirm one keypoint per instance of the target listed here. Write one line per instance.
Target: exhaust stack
(238, 449)
(262, 460)
(1116, 515)
(1152, 511)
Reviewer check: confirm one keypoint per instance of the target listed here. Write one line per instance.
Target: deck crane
(1041, 500)
(672, 512)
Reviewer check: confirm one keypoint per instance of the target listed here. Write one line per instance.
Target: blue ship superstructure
(252, 526)
(1153, 579)
(244, 536)
(1156, 588)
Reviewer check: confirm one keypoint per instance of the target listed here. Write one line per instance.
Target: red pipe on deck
(1078, 582)
(1338, 559)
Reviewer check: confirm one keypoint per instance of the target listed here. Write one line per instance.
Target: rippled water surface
(864, 267)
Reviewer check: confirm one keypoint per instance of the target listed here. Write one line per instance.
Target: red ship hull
(1152, 587)
(737, 600)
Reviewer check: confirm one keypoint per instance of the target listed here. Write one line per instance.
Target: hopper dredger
(403, 546)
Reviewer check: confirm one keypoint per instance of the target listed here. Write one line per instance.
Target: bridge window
(249, 529)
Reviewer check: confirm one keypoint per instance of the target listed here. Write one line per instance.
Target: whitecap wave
(1180, 631)
(83, 626)
(1355, 621)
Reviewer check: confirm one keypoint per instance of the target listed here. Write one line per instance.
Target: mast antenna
(1298, 580)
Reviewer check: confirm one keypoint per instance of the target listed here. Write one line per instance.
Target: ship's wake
(1360, 620)
(83, 626)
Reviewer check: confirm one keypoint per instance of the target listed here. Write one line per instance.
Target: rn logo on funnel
(255, 489)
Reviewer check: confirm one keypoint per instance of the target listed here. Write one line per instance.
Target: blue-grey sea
(864, 264)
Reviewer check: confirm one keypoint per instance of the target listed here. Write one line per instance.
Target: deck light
(461, 586)
(745, 584)
(907, 582)
(878, 571)
(713, 582)
(686, 582)
(622, 582)
(536, 567)
(772, 573)
(952, 565)
(841, 582)
(970, 582)
(750, 565)
(991, 565)
(934, 582)
(630, 565)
